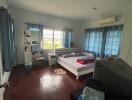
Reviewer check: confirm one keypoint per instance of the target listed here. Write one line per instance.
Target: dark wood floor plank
(42, 83)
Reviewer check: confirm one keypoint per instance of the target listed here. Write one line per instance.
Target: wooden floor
(42, 83)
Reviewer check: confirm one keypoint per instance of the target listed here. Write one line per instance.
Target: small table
(52, 58)
(40, 61)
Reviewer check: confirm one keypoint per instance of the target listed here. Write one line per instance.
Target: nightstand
(52, 58)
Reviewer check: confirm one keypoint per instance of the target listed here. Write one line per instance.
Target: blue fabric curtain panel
(8, 41)
(104, 41)
(113, 40)
(94, 41)
(67, 39)
(36, 28)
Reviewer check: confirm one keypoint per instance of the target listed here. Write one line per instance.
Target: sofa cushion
(92, 94)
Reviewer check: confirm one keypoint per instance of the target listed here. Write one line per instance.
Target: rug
(59, 71)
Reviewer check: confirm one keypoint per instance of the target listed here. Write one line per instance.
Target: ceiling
(79, 10)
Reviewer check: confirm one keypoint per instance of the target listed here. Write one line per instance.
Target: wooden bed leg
(77, 77)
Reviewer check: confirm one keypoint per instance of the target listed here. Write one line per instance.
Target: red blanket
(85, 60)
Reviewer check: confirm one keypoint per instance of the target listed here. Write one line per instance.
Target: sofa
(116, 74)
(113, 77)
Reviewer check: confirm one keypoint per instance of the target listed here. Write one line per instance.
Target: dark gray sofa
(116, 74)
(113, 76)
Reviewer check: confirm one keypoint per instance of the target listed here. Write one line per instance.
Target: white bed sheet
(72, 62)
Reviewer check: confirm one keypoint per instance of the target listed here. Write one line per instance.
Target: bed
(71, 64)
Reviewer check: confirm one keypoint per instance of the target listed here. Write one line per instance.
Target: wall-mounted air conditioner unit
(107, 20)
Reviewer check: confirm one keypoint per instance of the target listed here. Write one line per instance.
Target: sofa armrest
(92, 84)
(96, 85)
(75, 94)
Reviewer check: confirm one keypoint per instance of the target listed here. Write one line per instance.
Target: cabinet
(52, 58)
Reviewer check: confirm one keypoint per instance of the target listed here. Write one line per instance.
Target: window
(113, 40)
(104, 41)
(94, 41)
(58, 39)
(47, 39)
(51, 39)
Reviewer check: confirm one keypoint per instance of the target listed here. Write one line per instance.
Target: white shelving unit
(27, 50)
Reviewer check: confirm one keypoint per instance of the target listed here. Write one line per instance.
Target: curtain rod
(102, 27)
(48, 26)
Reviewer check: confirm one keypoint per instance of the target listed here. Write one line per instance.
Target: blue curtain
(113, 40)
(35, 28)
(67, 38)
(7, 40)
(104, 41)
(93, 41)
(12, 48)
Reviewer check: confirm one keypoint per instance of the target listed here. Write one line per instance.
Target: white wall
(127, 38)
(3, 3)
(21, 17)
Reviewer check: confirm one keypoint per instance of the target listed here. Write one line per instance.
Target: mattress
(72, 62)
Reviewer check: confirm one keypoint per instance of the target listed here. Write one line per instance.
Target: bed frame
(77, 74)
(70, 50)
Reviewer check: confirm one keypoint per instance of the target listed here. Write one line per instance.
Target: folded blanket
(85, 60)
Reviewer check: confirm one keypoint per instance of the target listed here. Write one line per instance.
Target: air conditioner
(107, 20)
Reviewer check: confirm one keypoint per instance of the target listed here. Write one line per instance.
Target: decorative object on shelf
(27, 33)
(35, 42)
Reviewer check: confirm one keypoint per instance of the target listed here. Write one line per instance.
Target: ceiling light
(95, 8)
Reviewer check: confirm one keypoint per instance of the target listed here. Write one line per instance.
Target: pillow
(78, 54)
(91, 94)
(89, 54)
(67, 55)
(73, 53)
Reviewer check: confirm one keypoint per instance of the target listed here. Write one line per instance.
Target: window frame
(53, 39)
